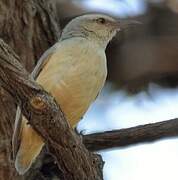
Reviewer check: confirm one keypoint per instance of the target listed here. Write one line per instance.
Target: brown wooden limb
(46, 117)
(29, 27)
(131, 136)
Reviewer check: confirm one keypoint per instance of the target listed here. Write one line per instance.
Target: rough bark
(29, 27)
(131, 136)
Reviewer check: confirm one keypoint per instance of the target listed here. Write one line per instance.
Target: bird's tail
(30, 146)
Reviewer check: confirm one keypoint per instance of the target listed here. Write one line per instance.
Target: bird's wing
(42, 61)
(18, 120)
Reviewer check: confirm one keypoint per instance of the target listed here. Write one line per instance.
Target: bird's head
(95, 27)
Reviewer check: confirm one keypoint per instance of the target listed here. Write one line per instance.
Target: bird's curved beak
(124, 24)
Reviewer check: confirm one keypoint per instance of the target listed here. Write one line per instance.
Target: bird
(73, 71)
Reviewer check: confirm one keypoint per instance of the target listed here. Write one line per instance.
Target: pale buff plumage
(74, 74)
(79, 79)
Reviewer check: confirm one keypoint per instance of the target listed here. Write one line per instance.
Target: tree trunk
(29, 27)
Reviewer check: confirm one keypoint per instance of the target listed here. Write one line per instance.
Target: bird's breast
(74, 76)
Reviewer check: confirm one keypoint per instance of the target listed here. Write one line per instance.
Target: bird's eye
(101, 20)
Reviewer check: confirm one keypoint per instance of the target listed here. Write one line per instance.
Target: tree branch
(46, 117)
(131, 136)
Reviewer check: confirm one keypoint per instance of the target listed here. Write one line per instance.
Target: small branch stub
(38, 103)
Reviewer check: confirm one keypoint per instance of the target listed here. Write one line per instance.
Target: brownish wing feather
(18, 120)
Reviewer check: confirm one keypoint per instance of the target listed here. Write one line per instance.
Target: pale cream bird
(74, 71)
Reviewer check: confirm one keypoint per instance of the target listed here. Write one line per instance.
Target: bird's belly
(76, 98)
(75, 89)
